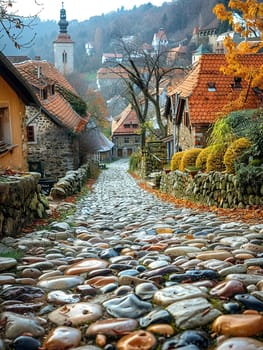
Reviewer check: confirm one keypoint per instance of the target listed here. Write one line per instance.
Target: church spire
(63, 46)
(63, 23)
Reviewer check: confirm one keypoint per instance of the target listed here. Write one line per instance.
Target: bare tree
(13, 25)
(145, 75)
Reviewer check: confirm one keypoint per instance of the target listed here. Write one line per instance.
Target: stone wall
(154, 158)
(212, 189)
(20, 202)
(55, 148)
(73, 181)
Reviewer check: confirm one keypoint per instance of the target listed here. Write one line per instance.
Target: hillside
(178, 17)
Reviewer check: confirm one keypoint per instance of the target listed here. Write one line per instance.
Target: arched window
(64, 57)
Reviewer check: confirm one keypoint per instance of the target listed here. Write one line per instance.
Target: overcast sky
(76, 9)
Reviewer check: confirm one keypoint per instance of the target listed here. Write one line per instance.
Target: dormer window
(237, 83)
(211, 86)
(51, 89)
(43, 93)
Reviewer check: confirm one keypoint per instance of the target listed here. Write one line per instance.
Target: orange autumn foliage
(97, 107)
(251, 26)
(253, 215)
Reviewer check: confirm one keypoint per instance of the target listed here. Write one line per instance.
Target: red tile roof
(112, 73)
(41, 73)
(204, 105)
(63, 38)
(129, 117)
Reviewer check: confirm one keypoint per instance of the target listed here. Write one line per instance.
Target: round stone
(241, 343)
(7, 263)
(60, 282)
(26, 343)
(128, 306)
(17, 325)
(62, 338)
(227, 289)
(59, 297)
(146, 290)
(76, 314)
(238, 325)
(86, 265)
(161, 329)
(112, 326)
(140, 339)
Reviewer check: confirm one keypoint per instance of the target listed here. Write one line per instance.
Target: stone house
(54, 131)
(193, 105)
(160, 41)
(111, 81)
(15, 95)
(177, 56)
(111, 58)
(125, 133)
(206, 36)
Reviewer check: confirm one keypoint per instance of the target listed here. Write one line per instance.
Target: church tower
(63, 46)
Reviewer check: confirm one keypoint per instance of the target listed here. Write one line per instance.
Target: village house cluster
(41, 131)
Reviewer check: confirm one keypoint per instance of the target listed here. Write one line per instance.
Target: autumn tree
(13, 25)
(245, 17)
(144, 75)
(97, 107)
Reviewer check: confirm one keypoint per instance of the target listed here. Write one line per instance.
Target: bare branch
(13, 25)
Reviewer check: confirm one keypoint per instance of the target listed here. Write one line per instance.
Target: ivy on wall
(75, 101)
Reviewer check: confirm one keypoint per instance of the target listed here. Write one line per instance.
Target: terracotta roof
(161, 35)
(112, 73)
(179, 49)
(127, 117)
(113, 55)
(63, 38)
(204, 105)
(40, 74)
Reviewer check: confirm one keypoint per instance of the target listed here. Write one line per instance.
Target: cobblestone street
(128, 271)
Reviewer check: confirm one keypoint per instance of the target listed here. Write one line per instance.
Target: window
(5, 130)
(126, 126)
(31, 133)
(51, 89)
(211, 86)
(43, 93)
(135, 126)
(126, 139)
(237, 83)
(64, 57)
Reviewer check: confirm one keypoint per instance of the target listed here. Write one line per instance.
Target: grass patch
(15, 254)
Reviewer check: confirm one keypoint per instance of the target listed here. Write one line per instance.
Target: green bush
(234, 152)
(135, 161)
(202, 158)
(249, 176)
(189, 158)
(176, 159)
(215, 158)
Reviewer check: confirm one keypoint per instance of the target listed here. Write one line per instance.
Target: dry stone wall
(21, 199)
(73, 180)
(21, 202)
(212, 189)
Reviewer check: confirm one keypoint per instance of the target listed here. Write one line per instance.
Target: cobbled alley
(128, 271)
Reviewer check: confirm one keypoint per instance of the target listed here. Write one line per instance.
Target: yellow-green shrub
(189, 158)
(234, 151)
(201, 159)
(176, 159)
(215, 158)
